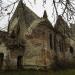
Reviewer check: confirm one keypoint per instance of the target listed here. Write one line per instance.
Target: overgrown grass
(34, 72)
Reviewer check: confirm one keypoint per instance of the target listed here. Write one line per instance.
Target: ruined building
(32, 42)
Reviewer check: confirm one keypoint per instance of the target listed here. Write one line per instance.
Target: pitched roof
(60, 22)
(30, 19)
(61, 26)
(42, 21)
(24, 14)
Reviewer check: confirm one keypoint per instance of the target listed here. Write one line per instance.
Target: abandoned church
(33, 42)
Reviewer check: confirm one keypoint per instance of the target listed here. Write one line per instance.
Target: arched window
(50, 41)
(55, 42)
(61, 45)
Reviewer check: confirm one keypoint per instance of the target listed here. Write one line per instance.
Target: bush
(61, 65)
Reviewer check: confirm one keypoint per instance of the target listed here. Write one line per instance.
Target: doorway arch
(71, 50)
(1, 60)
(19, 62)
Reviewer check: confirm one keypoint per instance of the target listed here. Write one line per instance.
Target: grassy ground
(33, 72)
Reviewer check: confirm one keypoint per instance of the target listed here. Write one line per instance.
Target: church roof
(30, 19)
(23, 13)
(60, 22)
(38, 22)
(61, 26)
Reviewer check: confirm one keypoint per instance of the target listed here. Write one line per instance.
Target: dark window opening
(1, 60)
(50, 38)
(71, 50)
(13, 34)
(61, 45)
(19, 62)
(55, 43)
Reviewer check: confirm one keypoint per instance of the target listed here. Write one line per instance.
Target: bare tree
(67, 7)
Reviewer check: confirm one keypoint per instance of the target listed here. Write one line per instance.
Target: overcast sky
(37, 8)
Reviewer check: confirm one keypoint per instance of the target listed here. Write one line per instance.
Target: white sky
(37, 8)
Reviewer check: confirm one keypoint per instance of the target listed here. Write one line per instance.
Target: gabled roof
(30, 18)
(41, 21)
(60, 22)
(23, 13)
(38, 22)
(61, 26)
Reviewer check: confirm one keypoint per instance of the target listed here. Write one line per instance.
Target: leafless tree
(67, 7)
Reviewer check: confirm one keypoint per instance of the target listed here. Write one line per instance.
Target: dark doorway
(1, 60)
(19, 62)
(71, 50)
